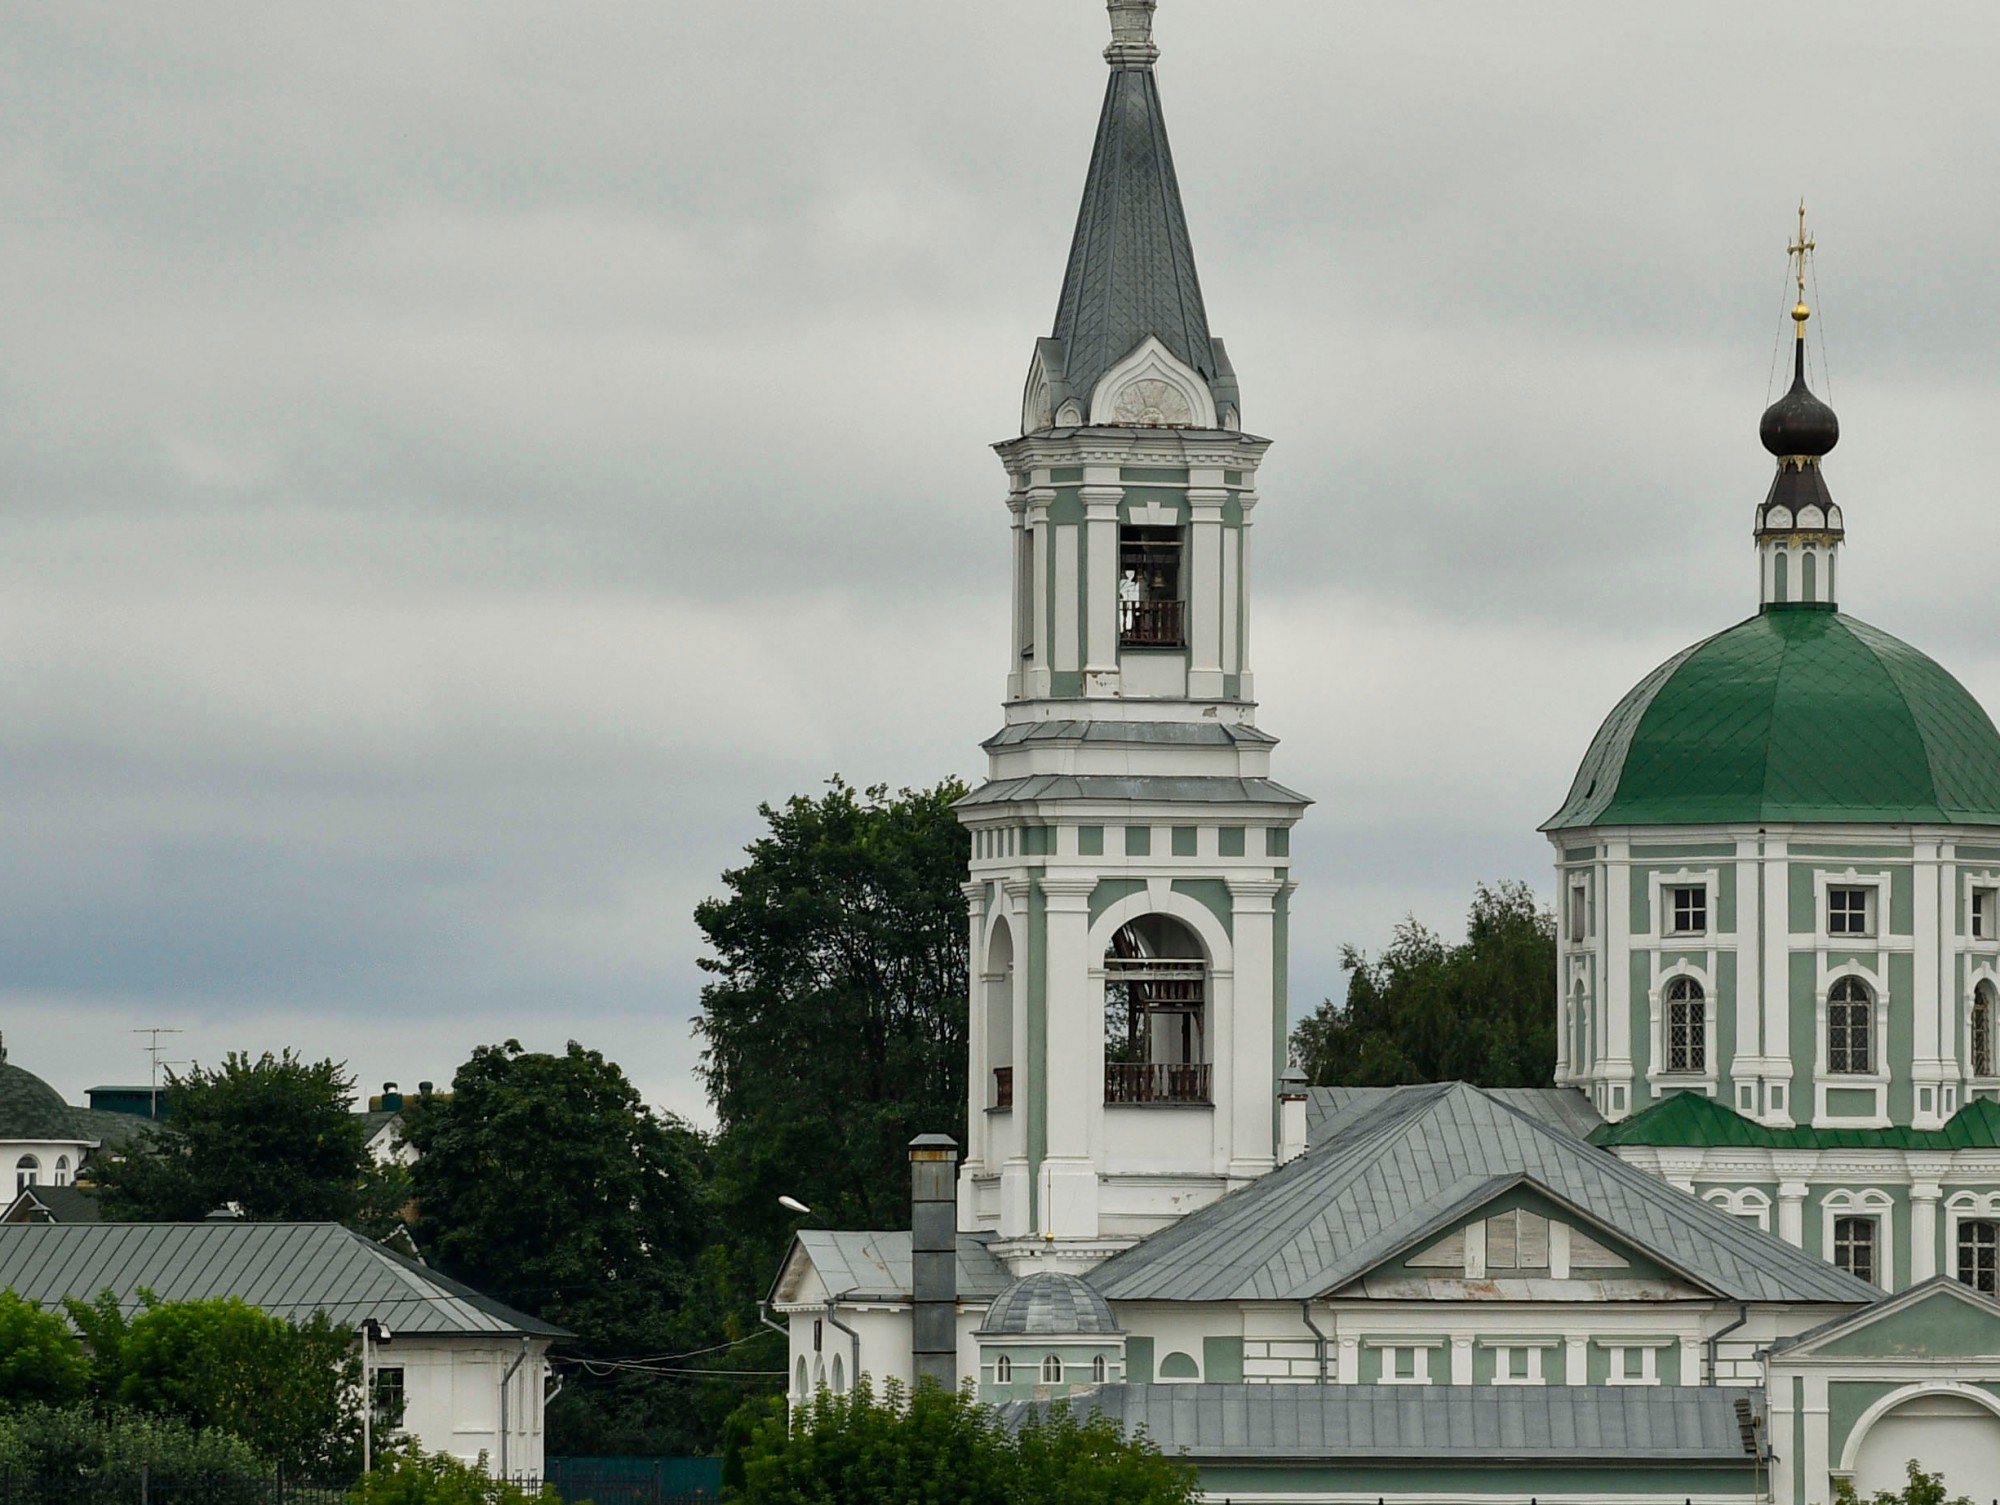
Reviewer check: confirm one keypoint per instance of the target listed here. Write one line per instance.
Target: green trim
(1222, 1361)
(1229, 841)
(1184, 841)
(1214, 894)
(1691, 1120)
(1139, 1360)
(1158, 475)
(1845, 1401)
(1090, 841)
(1875, 854)
(1677, 853)
(1109, 891)
(1277, 841)
(1061, 473)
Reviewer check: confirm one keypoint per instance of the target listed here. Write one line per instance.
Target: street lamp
(793, 1204)
(373, 1332)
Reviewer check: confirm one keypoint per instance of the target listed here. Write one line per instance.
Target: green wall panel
(1222, 1361)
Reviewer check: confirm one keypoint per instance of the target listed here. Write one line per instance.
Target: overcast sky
(456, 460)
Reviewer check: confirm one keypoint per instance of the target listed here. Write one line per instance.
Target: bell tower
(1131, 853)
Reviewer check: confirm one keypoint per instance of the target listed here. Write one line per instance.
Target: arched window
(1780, 574)
(1051, 1370)
(62, 1170)
(1687, 1026)
(803, 1391)
(1808, 586)
(1979, 1254)
(999, 982)
(1155, 1014)
(1098, 1368)
(839, 1377)
(1003, 1370)
(27, 1172)
(1854, 1241)
(1983, 1003)
(1849, 1028)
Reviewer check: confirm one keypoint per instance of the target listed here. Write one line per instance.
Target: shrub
(58, 1449)
(412, 1477)
(41, 1363)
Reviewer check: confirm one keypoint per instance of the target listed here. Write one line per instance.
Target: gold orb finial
(1801, 312)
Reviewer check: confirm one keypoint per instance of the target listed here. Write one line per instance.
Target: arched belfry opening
(1156, 1035)
(999, 984)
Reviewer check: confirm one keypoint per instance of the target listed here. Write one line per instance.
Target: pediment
(1152, 388)
(1941, 1319)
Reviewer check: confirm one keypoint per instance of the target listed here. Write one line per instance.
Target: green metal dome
(1799, 714)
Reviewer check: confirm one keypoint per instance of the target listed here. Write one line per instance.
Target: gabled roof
(287, 1269)
(1329, 1110)
(1887, 1311)
(1387, 1180)
(1131, 265)
(1695, 1120)
(1447, 1423)
(53, 1204)
(863, 1265)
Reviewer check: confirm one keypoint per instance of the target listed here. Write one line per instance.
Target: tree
(835, 1027)
(545, 1182)
(76, 1453)
(283, 1387)
(1923, 1489)
(933, 1445)
(41, 1363)
(277, 1136)
(1482, 1011)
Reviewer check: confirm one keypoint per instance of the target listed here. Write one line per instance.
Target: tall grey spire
(1131, 265)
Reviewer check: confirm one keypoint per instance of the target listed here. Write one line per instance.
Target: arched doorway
(1948, 1432)
(1155, 1014)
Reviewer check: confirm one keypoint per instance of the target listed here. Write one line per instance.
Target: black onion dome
(1799, 423)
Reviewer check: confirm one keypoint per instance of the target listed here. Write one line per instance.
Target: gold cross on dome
(1798, 250)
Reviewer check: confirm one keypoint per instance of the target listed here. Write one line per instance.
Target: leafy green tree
(835, 1026)
(545, 1182)
(1482, 1011)
(41, 1363)
(413, 1477)
(1923, 1489)
(275, 1135)
(931, 1446)
(285, 1388)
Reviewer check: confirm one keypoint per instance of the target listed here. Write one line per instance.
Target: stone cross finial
(1132, 49)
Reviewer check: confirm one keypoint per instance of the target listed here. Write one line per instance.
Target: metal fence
(628, 1480)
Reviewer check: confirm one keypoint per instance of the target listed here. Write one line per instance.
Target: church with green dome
(1779, 869)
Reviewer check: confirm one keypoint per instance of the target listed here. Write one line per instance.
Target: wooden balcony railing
(1153, 624)
(1155, 1082)
(1003, 1086)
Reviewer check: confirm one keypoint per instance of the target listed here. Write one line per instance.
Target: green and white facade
(1666, 1277)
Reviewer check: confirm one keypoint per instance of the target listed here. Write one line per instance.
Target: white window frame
(1649, 1360)
(1874, 1080)
(1876, 938)
(1420, 1362)
(1047, 1360)
(1977, 883)
(1750, 1203)
(1581, 913)
(1984, 973)
(1863, 1202)
(1671, 927)
(1504, 1349)
(1963, 1207)
(1701, 973)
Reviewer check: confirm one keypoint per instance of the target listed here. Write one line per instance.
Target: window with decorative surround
(1854, 1247)
(1980, 1028)
(1850, 911)
(1986, 914)
(1979, 1254)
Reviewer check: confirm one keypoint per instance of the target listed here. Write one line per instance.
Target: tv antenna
(153, 1033)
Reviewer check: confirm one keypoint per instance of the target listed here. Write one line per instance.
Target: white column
(1039, 498)
(1100, 663)
(1015, 1175)
(1461, 1358)
(1250, 1024)
(1075, 1060)
(1690, 1361)
(1928, 919)
(1576, 1361)
(979, 1085)
(1777, 964)
(1925, 1193)
(1205, 590)
(1615, 1057)
(1245, 686)
(1749, 1058)
(1791, 1206)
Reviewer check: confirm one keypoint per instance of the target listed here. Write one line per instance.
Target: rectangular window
(1406, 1364)
(1848, 911)
(1517, 1366)
(1579, 912)
(1979, 1254)
(1854, 1247)
(1151, 613)
(1688, 909)
(1633, 1366)
(387, 1390)
(1986, 914)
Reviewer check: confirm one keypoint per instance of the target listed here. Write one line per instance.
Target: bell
(1159, 580)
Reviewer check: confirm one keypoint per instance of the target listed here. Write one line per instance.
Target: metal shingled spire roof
(1131, 266)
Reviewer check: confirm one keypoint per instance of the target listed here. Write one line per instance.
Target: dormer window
(1151, 613)
(1687, 909)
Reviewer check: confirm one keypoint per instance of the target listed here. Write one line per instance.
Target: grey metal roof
(1165, 733)
(1111, 787)
(1443, 1423)
(875, 1265)
(1049, 1303)
(1131, 264)
(1329, 1110)
(287, 1269)
(1418, 1158)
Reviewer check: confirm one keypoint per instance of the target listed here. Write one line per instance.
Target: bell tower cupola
(1130, 879)
(1799, 527)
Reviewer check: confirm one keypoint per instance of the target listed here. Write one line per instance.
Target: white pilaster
(1253, 1048)
(1039, 498)
(1615, 1067)
(1075, 1062)
(1100, 512)
(1792, 1190)
(1777, 958)
(1205, 591)
(1925, 1193)
(1016, 1220)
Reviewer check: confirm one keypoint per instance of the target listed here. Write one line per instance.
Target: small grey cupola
(1799, 528)
(1049, 1304)
(1048, 1334)
(1131, 346)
